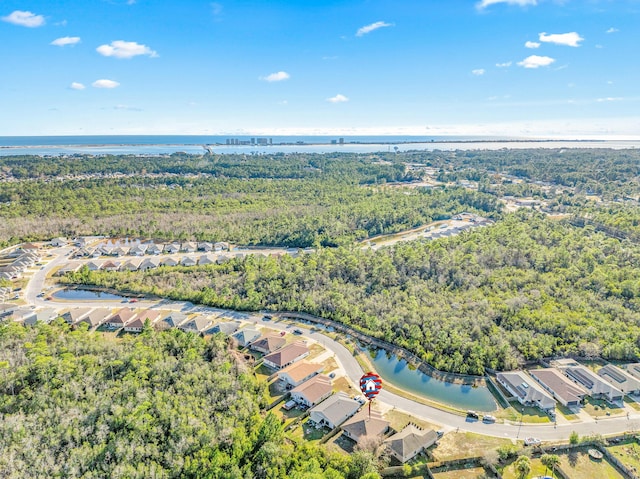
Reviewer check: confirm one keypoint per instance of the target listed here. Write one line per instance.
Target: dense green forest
(525, 288)
(307, 201)
(164, 405)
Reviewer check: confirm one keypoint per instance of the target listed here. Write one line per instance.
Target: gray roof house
(334, 411)
(149, 263)
(559, 386)
(408, 443)
(268, 344)
(154, 249)
(95, 318)
(361, 427)
(246, 335)
(597, 386)
(75, 315)
(620, 379)
(196, 325)
(527, 391)
(188, 261)
(174, 319)
(227, 327)
(206, 259)
(169, 262)
(45, 315)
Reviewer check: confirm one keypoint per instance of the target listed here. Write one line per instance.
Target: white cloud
(277, 76)
(478, 72)
(612, 30)
(536, 61)
(369, 28)
(61, 42)
(24, 19)
(523, 3)
(530, 44)
(503, 65)
(338, 99)
(609, 98)
(122, 49)
(77, 86)
(105, 84)
(571, 39)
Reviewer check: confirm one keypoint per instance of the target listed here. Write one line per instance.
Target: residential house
(152, 315)
(172, 248)
(408, 443)
(221, 246)
(154, 249)
(120, 251)
(6, 310)
(84, 252)
(121, 318)
(526, 391)
(206, 259)
(362, 428)
(227, 328)
(45, 315)
(111, 266)
(188, 261)
(205, 246)
(169, 262)
(633, 369)
(71, 267)
(197, 324)
(138, 249)
(286, 356)
(149, 263)
(173, 320)
(21, 314)
(222, 259)
(95, 318)
(268, 344)
(94, 265)
(620, 379)
(299, 372)
(75, 315)
(131, 265)
(596, 386)
(246, 335)
(58, 242)
(135, 326)
(313, 391)
(189, 247)
(334, 411)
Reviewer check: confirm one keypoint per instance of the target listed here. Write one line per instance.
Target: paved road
(353, 371)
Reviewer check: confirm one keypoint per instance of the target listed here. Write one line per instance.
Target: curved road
(451, 421)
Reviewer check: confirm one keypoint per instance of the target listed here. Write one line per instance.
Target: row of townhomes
(17, 261)
(310, 389)
(568, 382)
(135, 247)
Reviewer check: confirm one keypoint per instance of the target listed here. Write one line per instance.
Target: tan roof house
(361, 427)
(96, 317)
(299, 372)
(121, 318)
(268, 344)
(286, 356)
(75, 315)
(313, 391)
(334, 411)
(408, 443)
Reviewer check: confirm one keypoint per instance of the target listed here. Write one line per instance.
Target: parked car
(282, 333)
(134, 300)
(488, 418)
(297, 331)
(266, 317)
(532, 441)
(472, 415)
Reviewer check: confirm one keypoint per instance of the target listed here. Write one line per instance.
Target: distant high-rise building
(341, 141)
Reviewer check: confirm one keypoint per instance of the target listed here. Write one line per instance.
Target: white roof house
(597, 386)
(526, 390)
(620, 379)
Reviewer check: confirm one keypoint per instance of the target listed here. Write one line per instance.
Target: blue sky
(556, 68)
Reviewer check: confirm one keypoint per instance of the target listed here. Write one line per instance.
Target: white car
(531, 441)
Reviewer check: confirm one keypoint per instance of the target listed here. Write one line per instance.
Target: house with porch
(312, 391)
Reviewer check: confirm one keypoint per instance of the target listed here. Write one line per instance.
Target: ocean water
(158, 145)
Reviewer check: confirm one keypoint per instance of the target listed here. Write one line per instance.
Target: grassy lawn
(632, 403)
(399, 420)
(455, 445)
(579, 466)
(600, 408)
(537, 469)
(471, 473)
(566, 412)
(628, 453)
(315, 350)
(528, 414)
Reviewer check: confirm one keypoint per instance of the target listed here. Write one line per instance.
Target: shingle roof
(300, 370)
(410, 439)
(559, 384)
(361, 425)
(314, 389)
(287, 354)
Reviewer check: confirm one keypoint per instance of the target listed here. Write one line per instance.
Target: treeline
(334, 206)
(523, 289)
(164, 405)
(599, 171)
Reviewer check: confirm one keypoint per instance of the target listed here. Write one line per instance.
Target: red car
(282, 333)
(134, 300)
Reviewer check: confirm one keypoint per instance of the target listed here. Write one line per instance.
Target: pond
(463, 396)
(85, 295)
